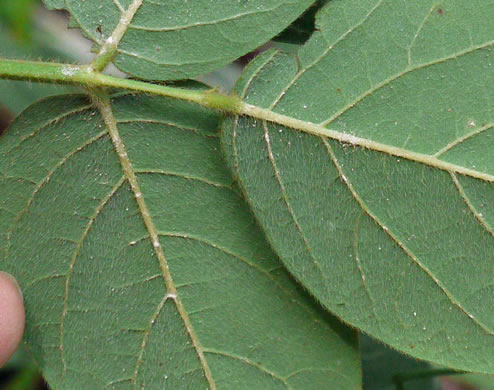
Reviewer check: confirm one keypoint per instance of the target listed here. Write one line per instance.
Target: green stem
(87, 76)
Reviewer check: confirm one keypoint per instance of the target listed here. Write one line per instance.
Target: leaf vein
(227, 252)
(156, 62)
(77, 250)
(250, 363)
(200, 24)
(182, 175)
(396, 76)
(47, 178)
(145, 338)
(34, 282)
(312, 369)
(104, 106)
(218, 247)
(49, 122)
(480, 218)
(289, 207)
(172, 124)
(119, 6)
(458, 141)
(256, 73)
(325, 52)
(417, 33)
(401, 244)
(359, 265)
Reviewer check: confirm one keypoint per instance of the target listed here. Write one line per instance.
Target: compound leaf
(387, 219)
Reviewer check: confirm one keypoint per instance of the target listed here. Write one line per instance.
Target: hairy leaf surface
(140, 264)
(394, 233)
(164, 40)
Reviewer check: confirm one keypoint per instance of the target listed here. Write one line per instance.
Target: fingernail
(14, 281)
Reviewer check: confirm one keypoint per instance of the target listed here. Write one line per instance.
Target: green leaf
(387, 219)
(165, 40)
(141, 265)
(54, 4)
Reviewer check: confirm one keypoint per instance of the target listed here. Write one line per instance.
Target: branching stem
(88, 77)
(109, 48)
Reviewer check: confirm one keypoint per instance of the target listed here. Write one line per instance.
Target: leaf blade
(177, 40)
(95, 297)
(361, 227)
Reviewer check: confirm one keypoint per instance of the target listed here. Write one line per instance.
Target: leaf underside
(97, 307)
(401, 249)
(170, 40)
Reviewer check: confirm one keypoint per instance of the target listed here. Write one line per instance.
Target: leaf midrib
(346, 138)
(121, 28)
(104, 106)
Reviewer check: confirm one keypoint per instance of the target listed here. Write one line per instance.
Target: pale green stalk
(85, 75)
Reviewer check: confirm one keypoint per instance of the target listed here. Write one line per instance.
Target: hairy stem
(87, 76)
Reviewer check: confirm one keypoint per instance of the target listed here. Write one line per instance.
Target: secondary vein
(400, 243)
(75, 256)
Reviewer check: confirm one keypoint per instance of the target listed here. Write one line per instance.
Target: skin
(12, 316)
